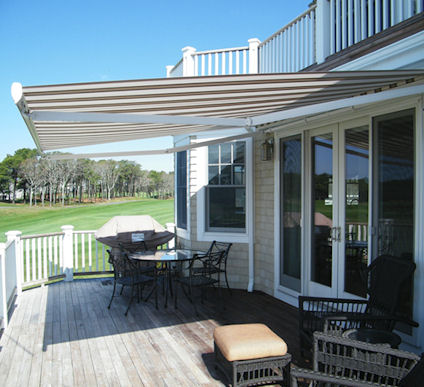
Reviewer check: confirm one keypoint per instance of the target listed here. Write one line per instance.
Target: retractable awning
(71, 115)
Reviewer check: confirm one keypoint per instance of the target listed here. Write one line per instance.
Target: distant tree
(108, 171)
(12, 163)
(31, 172)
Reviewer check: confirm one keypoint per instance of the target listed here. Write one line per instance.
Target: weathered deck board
(64, 335)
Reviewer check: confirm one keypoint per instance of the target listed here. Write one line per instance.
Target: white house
(273, 139)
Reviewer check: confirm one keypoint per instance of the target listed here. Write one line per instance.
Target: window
(181, 190)
(226, 190)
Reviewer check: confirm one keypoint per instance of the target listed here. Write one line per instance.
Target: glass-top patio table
(165, 261)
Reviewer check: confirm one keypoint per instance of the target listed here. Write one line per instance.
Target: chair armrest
(366, 318)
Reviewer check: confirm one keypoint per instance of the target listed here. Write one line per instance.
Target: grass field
(39, 220)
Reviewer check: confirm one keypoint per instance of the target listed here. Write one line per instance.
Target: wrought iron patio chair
(127, 272)
(215, 264)
(200, 279)
(340, 361)
(385, 275)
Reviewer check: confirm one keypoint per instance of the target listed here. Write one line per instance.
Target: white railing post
(188, 61)
(68, 252)
(3, 292)
(322, 26)
(168, 70)
(253, 55)
(16, 237)
(171, 228)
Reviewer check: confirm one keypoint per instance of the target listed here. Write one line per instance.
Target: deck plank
(64, 335)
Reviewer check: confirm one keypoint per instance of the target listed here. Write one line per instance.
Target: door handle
(336, 234)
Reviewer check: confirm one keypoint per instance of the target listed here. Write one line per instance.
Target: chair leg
(226, 280)
(122, 289)
(131, 299)
(113, 294)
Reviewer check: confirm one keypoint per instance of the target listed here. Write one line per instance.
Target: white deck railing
(292, 48)
(222, 62)
(326, 28)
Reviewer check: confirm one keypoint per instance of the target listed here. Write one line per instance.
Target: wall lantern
(267, 149)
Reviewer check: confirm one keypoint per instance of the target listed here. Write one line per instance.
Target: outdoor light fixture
(267, 149)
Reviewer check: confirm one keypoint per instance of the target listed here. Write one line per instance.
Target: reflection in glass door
(322, 209)
(356, 183)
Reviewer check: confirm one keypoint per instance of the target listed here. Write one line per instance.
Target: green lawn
(38, 220)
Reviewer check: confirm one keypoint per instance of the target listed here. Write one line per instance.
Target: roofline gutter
(21, 104)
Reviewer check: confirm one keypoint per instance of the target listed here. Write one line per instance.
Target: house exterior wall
(264, 222)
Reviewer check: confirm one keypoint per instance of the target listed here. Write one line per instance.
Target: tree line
(40, 179)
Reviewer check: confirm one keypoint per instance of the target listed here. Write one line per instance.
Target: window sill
(231, 237)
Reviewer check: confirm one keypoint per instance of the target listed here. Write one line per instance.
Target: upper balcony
(327, 35)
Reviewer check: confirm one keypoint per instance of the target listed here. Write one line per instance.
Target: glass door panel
(322, 209)
(291, 211)
(356, 184)
(394, 172)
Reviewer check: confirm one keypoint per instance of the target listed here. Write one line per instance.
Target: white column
(68, 252)
(322, 26)
(253, 55)
(188, 61)
(171, 228)
(16, 237)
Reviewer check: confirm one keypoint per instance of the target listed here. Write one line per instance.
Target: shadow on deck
(64, 334)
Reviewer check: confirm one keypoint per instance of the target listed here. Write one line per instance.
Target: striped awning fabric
(70, 115)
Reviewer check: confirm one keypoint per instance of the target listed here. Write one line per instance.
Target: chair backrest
(386, 276)
(342, 357)
(219, 247)
(122, 265)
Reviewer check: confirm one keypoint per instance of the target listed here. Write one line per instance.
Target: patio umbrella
(138, 232)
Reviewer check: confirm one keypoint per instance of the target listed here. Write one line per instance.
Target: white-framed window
(226, 189)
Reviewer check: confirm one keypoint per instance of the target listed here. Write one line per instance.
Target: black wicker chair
(200, 279)
(386, 275)
(127, 272)
(339, 361)
(213, 263)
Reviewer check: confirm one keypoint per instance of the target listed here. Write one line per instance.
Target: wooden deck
(64, 335)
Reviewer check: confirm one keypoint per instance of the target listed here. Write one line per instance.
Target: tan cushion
(248, 341)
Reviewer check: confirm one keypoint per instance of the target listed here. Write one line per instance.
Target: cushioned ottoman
(251, 354)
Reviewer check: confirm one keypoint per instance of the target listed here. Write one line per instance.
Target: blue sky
(55, 41)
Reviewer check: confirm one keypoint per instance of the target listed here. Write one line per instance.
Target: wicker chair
(213, 263)
(385, 275)
(343, 362)
(126, 272)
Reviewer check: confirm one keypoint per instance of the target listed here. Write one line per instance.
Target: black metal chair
(213, 263)
(386, 275)
(127, 272)
(201, 279)
(339, 361)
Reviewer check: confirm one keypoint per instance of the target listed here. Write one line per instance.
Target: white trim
(397, 55)
(134, 118)
(338, 104)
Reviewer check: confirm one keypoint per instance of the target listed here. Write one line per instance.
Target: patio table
(165, 261)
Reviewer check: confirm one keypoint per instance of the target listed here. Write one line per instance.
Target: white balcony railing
(292, 48)
(352, 21)
(326, 28)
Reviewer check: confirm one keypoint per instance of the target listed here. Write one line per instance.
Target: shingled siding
(238, 261)
(264, 222)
